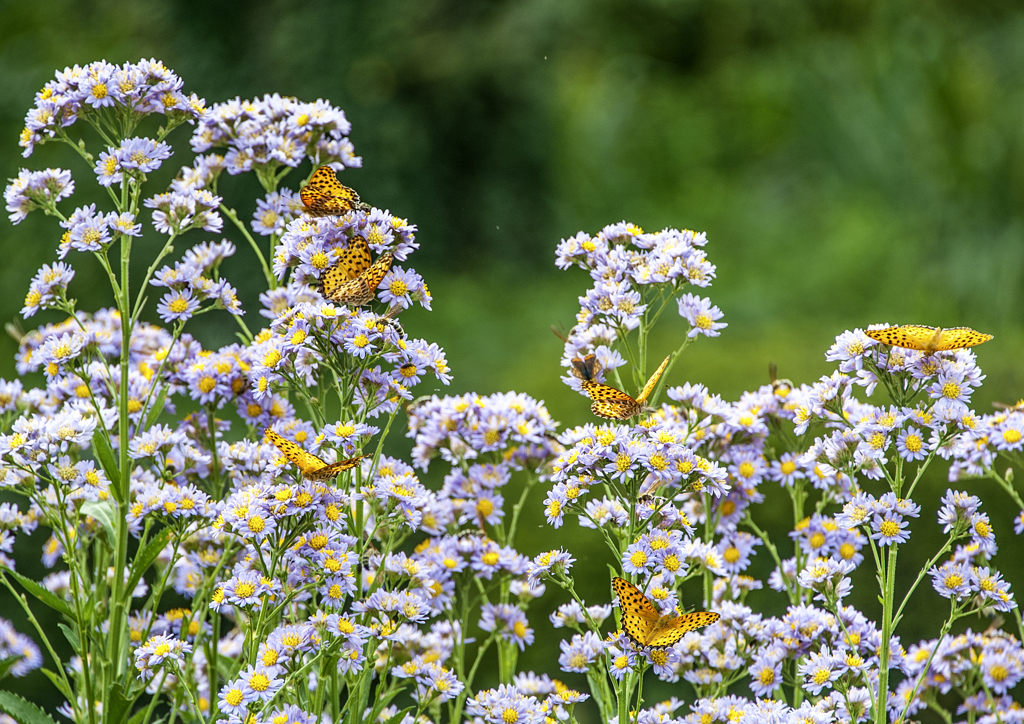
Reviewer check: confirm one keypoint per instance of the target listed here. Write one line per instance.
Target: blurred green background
(852, 162)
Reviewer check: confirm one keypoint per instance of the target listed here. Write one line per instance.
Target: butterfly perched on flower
(325, 195)
(608, 401)
(352, 279)
(643, 624)
(928, 339)
(311, 466)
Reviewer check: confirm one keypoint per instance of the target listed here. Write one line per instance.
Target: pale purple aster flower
(505, 704)
(273, 212)
(992, 588)
(849, 349)
(765, 674)
(159, 651)
(911, 445)
(580, 652)
(951, 579)
(509, 621)
(235, 698)
(1009, 434)
(951, 392)
(889, 528)
(96, 87)
(957, 507)
(701, 315)
(108, 168)
(14, 643)
(177, 306)
(261, 680)
(1002, 672)
(982, 533)
(124, 224)
(87, 231)
(143, 154)
(819, 671)
(57, 351)
(637, 557)
(396, 287)
(50, 283)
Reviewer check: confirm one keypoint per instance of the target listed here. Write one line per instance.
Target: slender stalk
(117, 648)
(884, 650)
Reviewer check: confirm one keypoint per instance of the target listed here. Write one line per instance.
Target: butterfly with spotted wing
(608, 401)
(645, 626)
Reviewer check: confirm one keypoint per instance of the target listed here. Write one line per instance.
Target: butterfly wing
(644, 626)
(353, 292)
(332, 278)
(361, 290)
(672, 628)
(959, 338)
(638, 615)
(325, 195)
(307, 463)
(609, 402)
(329, 471)
(649, 387)
(354, 259)
(909, 336)
(376, 273)
(586, 368)
(928, 339)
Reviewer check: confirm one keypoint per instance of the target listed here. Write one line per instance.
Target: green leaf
(105, 454)
(146, 556)
(399, 716)
(50, 599)
(57, 682)
(6, 664)
(118, 705)
(22, 711)
(156, 409)
(103, 511)
(71, 636)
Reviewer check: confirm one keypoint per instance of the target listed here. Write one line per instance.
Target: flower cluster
(190, 285)
(328, 578)
(276, 131)
(138, 89)
(631, 271)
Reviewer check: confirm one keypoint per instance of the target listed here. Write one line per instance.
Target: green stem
(117, 643)
(938, 643)
(231, 214)
(923, 572)
(888, 594)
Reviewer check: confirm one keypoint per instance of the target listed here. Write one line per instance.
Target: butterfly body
(325, 195)
(585, 369)
(645, 626)
(608, 401)
(311, 466)
(928, 339)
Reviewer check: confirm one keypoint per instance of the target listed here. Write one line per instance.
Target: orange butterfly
(325, 195)
(643, 624)
(928, 339)
(311, 466)
(352, 279)
(608, 401)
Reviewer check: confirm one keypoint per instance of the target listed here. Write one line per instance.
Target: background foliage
(852, 162)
